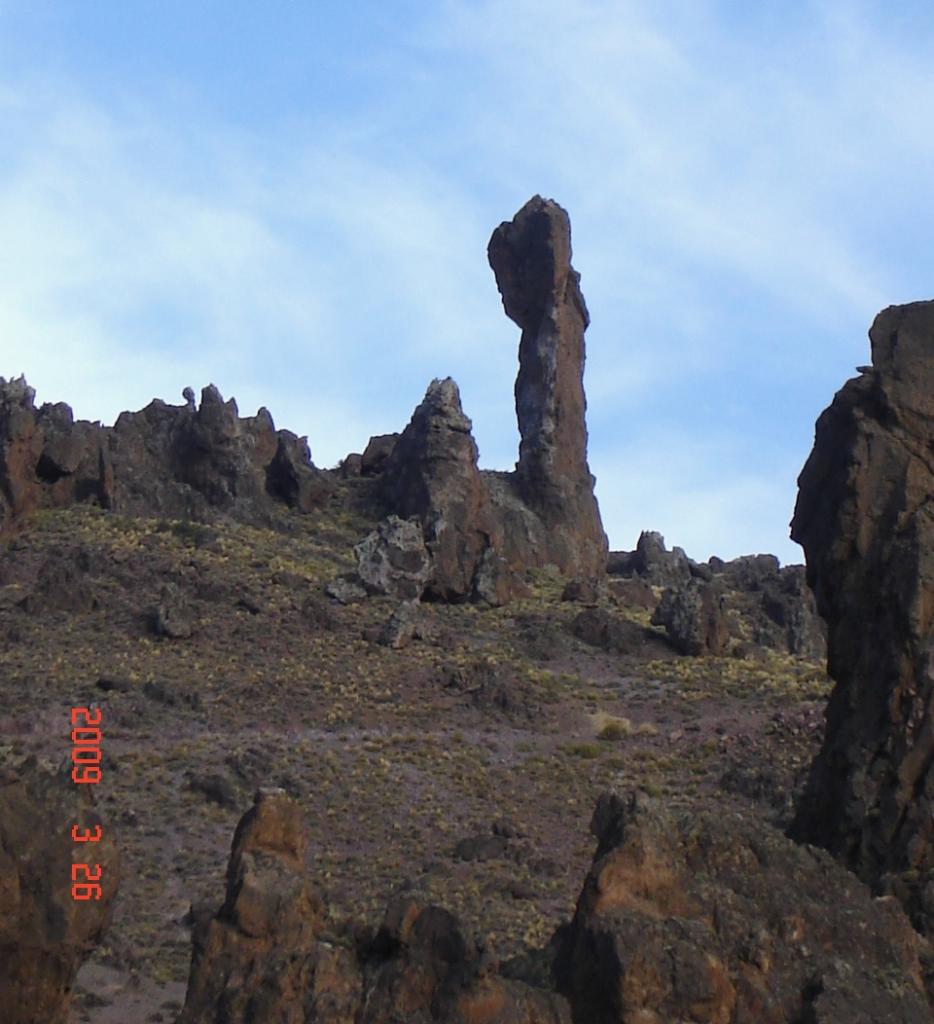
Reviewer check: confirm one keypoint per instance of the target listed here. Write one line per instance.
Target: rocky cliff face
(531, 258)
(166, 460)
(865, 518)
(715, 918)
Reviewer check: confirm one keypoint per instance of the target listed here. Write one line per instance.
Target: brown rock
(45, 933)
(432, 475)
(182, 462)
(716, 918)
(864, 519)
(267, 957)
(261, 956)
(20, 448)
(633, 593)
(531, 258)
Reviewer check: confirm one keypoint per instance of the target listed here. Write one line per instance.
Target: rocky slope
(418, 680)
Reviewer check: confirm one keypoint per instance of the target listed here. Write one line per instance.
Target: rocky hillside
(402, 741)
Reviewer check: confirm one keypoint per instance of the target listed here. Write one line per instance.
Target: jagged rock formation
(269, 954)
(652, 561)
(261, 956)
(531, 258)
(166, 460)
(693, 616)
(432, 475)
(718, 918)
(45, 933)
(864, 517)
(706, 605)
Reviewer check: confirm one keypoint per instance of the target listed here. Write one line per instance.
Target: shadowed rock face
(531, 258)
(166, 460)
(865, 518)
(432, 475)
(45, 934)
(717, 918)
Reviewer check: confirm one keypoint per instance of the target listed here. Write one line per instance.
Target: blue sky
(293, 200)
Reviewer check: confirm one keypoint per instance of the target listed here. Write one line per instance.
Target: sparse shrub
(615, 730)
(586, 751)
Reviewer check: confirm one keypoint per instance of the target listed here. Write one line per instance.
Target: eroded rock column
(531, 258)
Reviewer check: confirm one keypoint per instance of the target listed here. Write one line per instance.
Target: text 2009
(86, 759)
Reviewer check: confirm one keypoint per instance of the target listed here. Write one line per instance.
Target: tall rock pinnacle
(531, 258)
(865, 517)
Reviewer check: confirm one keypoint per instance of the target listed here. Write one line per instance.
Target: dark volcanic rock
(377, 451)
(531, 258)
(693, 617)
(600, 628)
(432, 475)
(864, 518)
(788, 603)
(183, 462)
(718, 918)
(45, 933)
(657, 564)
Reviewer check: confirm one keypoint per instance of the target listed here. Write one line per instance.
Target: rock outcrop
(694, 618)
(531, 258)
(270, 953)
(432, 475)
(261, 957)
(717, 918)
(45, 933)
(174, 461)
(865, 517)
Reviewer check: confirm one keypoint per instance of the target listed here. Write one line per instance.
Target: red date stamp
(86, 739)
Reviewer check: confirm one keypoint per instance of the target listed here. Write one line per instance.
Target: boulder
(393, 559)
(172, 616)
(45, 933)
(403, 626)
(531, 259)
(864, 518)
(693, 615)
(717, 918)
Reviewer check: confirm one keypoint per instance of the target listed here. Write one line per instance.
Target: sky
(292, 200)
